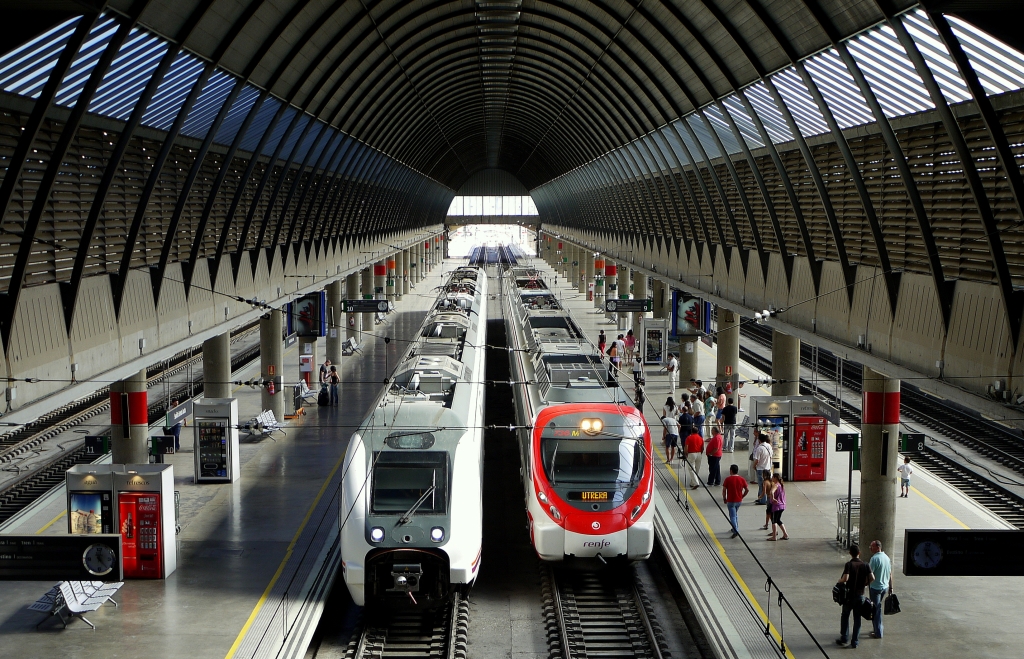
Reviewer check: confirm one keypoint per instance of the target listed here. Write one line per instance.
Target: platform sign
(176, 415)
(364, 306)
(628, 306)
(847, 442)
(912, 442)
(89, 557)
(963, 553)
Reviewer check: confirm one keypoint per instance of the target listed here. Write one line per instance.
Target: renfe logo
(597, 544)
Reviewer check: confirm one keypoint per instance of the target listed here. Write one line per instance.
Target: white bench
(77, 598)
(265, 424)
(306, 393)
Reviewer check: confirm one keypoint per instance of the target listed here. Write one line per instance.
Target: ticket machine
(798, 429)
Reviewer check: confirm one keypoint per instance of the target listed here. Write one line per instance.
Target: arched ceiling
(534, 88)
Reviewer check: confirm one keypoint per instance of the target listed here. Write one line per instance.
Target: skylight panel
(237, 115)
(25, 69)
(936, 56)
(260, 123)
(206, 107)
(672, 138)
(90, 52)
(173, 89)
(840, 91)
(704, 135)
(805, 111)
(892, 76)
(741, 118)
(128, 75)
(293, 137)
(999, 67)
(768, 112)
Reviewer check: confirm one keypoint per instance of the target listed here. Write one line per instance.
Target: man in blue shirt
(881, 567)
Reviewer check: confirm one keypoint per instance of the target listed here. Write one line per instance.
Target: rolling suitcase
(324, 397)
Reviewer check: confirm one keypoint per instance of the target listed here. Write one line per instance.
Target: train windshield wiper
(404, 519)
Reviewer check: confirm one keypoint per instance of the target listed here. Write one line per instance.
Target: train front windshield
(593, 461)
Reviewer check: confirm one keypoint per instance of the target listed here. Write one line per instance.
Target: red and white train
(585, 451)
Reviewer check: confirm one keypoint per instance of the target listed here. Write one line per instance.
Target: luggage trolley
(841, 535)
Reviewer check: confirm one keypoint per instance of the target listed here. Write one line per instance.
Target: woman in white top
(669, 409)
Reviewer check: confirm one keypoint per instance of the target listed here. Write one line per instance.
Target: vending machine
(216, 440)
(145, 510)
(90, 493)
(809, 453)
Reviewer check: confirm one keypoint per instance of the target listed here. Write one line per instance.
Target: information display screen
(213, 448)
(589, 496)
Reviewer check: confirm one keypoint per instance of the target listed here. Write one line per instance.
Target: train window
(444, 331)
(410, 440)
(614, 462)
(400, 480)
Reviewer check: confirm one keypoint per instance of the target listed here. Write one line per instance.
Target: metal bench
(265, 424)
(306, 393)
(77, 598)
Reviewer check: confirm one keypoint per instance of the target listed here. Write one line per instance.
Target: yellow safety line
(728, 562)
(284, 561)
(54, 521)
(939, 508)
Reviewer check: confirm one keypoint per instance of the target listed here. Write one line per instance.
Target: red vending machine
(141, 534)
(809, 448)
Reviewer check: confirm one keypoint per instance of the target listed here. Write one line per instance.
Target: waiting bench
(266, 424)
(305, 393)
(77, 598)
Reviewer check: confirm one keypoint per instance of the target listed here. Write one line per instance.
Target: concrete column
(272, 362)
(660, 298)
(366, 287)
(335, 323)
(406, 270)
(879, 446)
(639, 293)
(688, 351)
(728, 348)
(352, 324)
(307, 346)
(588, 272)
(389, 284)
(415, 269)
(598, 280)
(380, 277)
(611, 282)
(574, 266)
(785, 364)
(129, 437)
(217, 367)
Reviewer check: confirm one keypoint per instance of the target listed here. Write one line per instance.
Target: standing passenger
(334, 380)
(673, 372)
(856, 575)
(714, 453)
(630, 345)
(905, 471)
(602, 341)
(671, 437)
(694, 454)
(778, 506)
(729, 413)
(881, 568)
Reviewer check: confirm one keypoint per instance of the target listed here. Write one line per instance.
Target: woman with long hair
(777, 501)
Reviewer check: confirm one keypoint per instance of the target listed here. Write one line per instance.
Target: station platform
(256, 558)
(725, 579)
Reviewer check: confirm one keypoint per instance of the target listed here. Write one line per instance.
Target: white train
(411, 505)
(585, 451)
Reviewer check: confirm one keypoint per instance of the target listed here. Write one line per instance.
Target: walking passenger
(671, 437)
(714, 453)
(630, 342)
(638, 370)
(778, 507)
(733, 490)
(905, 471)
(856, 575)
(881, 569)
(694, 454)
(729, 413)
(602, 342)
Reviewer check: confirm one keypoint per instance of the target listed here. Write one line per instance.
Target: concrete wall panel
(801, 304)
(753, 288)
(94, 342)
(38, 345)
(833, 312)
(776, 289)
(978, 344)
(734, 288)
(224, 292)
(265, 289)
(172, 308)
(706, 276)
(200, 298)
(720, 280)
(245, 284)
(870, 316)
(917, 329)
(137, 320)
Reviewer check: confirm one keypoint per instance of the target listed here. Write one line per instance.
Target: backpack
(839, 593)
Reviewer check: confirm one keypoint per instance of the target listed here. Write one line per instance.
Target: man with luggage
(856, 575)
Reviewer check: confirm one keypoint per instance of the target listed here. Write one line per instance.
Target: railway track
(928, 412)
(600, 614)
(437, 634)
(40, 479)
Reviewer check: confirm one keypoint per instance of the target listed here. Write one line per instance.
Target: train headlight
(591, 426)
(437, 534)
(543, 497)
(554, 512)
(376, 534)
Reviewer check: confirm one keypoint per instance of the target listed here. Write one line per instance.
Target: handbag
(891, 604)
(867, 609)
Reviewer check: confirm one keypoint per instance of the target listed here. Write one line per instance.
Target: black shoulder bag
(891, 604)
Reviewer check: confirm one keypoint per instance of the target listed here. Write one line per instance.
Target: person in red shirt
(733, 490)
(694, 455)
(714, 452)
